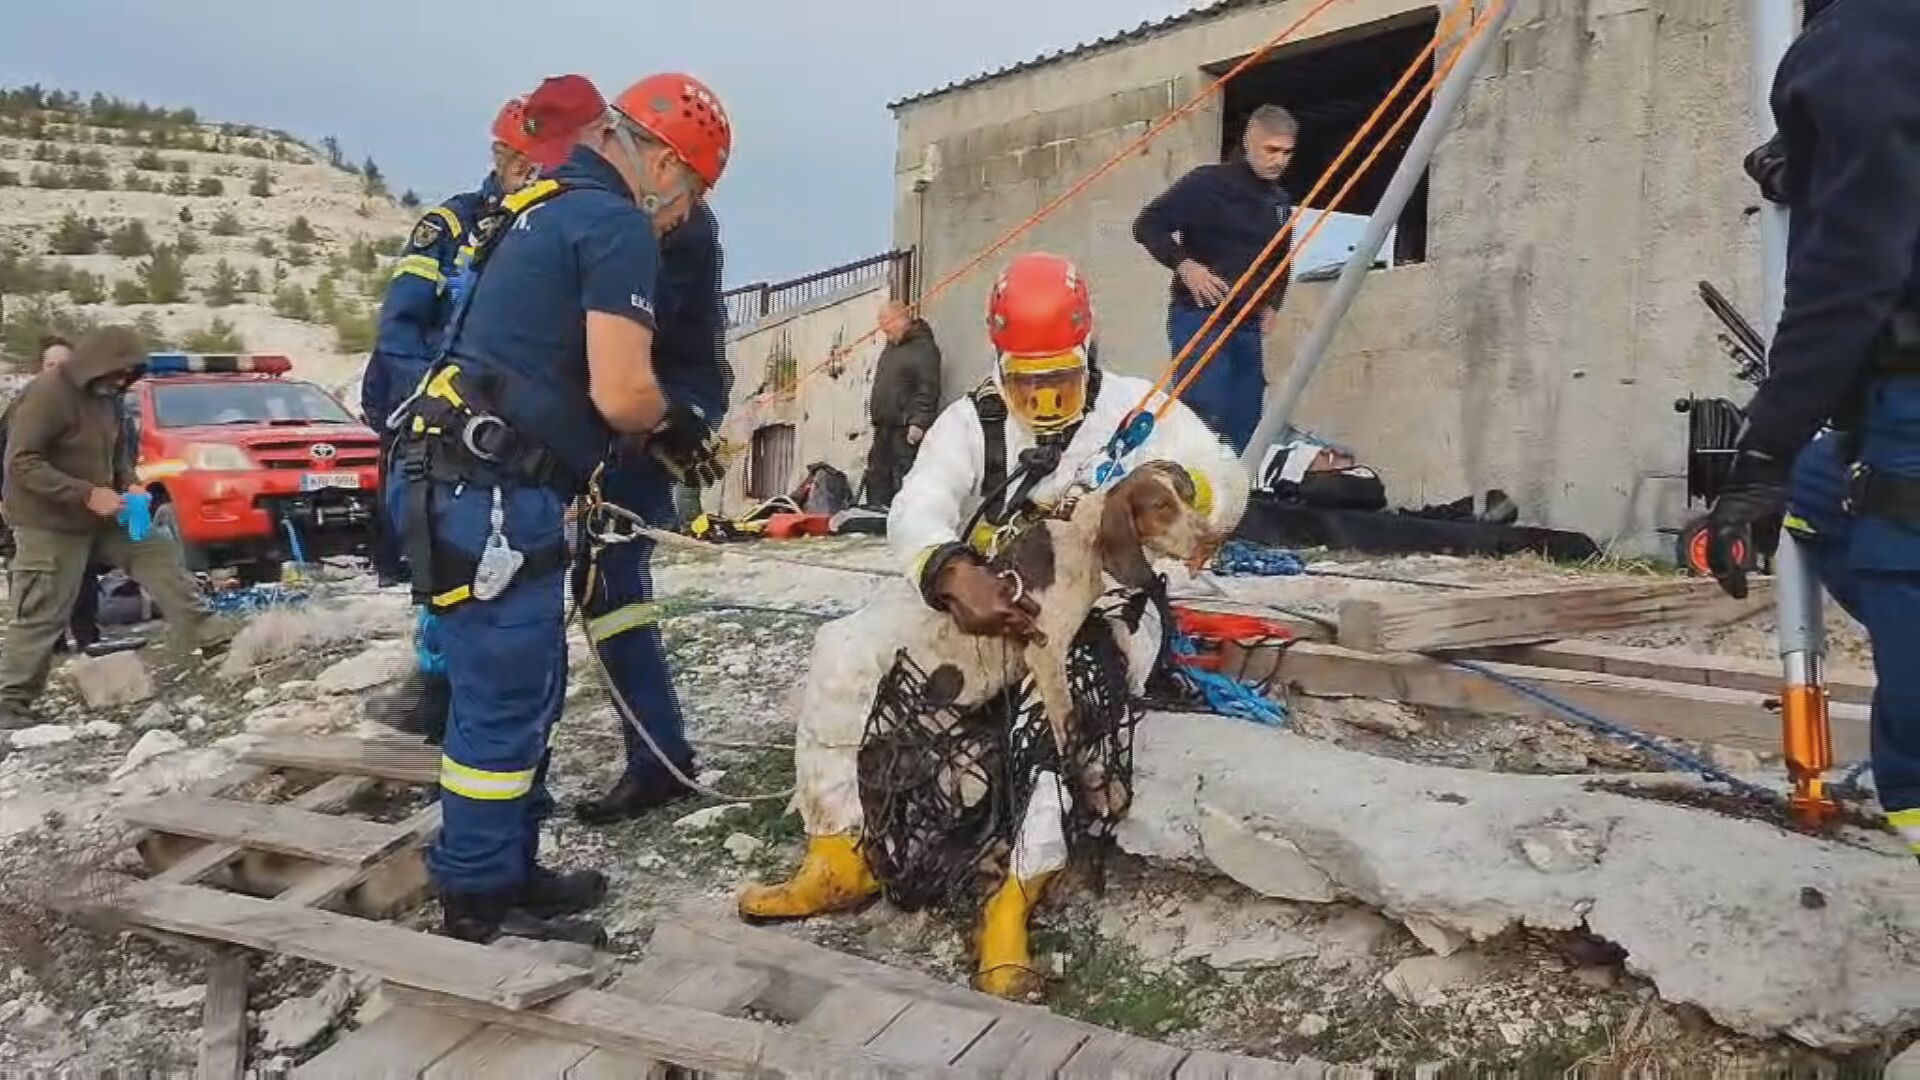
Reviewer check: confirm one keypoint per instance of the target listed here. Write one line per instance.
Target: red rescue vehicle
(249, 469)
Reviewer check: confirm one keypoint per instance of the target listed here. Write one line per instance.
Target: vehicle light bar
(217, 364)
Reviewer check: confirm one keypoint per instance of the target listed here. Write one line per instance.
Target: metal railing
(751, 303)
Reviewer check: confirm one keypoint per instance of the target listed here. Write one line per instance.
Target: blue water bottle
(136, 513)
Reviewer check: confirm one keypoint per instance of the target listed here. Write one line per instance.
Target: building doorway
(1331, 84)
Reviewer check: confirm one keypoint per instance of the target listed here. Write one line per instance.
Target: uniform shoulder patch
(427, 232)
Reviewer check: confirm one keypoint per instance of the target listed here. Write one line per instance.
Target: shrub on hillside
(130, 241)
(21, 274)
(150, 160)
(254, 150)
(91, 179)
(291, 302)
(362, 256)
(410, 200)
(131, 180)
(179, 165)
(9, 178)
(299, 255)
(262, 185)
(186, 242)
(223, 289)
(209, 187)
(301, 231)
(94, 159)
(50, 179)
(218, 336)
(164, 276)
(265, 246)
(150, 331)
(354, 330)
(227, 224)
(76, 235)
(251, 282)
(46, 151)
(326, 298)
(26, 323)
(128, 292)
(87, 288)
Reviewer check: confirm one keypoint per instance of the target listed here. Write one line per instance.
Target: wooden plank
(686, 1037)
(931, 1032)
(1853, 686)
(1457, 620)
(330, 795)
(854, 1014)
(283, 830)
(408, 761)
(1024, 1048)
(717, 988)
(328, 883)
(402, 956)
(400, 1045)
(1701, 714)
(505, 1053)
(1113, 1056)
(223, 1032)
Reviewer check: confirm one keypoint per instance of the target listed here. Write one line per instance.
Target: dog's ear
(1119, 539)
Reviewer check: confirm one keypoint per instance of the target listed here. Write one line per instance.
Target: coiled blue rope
(1624, 734)
(253, 599)
(1239, 558)
(1223, 694)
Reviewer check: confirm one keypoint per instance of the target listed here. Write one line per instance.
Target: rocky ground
(1178, 955)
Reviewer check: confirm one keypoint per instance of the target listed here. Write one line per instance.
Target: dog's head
(1153, 509)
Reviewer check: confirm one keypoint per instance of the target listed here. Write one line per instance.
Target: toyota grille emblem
(323, 451)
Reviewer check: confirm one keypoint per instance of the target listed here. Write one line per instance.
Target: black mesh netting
(944, 789)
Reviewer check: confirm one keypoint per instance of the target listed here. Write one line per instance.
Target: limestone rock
(1264, 951)
(156, 715)
(1439, 940)
(296, 1022)
(100, 729)
(742, 846)
(151, 745)
(1707, 907)
(380, 664)
(709, 817)
(1312, 1025)
(1269, 865)
(42, 735)
(115, 679)
(1425, 980)
(1352, 937)
(1906, 1066)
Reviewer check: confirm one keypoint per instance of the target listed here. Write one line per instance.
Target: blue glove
(136, 513)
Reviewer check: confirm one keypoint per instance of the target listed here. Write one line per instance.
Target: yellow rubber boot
(1005, 966)
(833, 877)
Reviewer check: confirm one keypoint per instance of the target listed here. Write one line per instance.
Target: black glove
(1745, 518)
(688, 447)
(1767, 164)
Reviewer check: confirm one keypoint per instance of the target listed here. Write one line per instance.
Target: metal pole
(1773, 25)
(1277, 419)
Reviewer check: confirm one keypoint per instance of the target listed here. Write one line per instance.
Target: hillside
(210, 236)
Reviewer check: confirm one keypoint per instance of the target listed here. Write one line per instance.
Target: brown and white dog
(1062, 564)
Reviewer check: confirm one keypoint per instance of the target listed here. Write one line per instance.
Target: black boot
(418, 706)
(633, 797)
(482, 917)
(550, 893)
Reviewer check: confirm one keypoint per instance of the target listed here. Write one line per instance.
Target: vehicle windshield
(276, 402)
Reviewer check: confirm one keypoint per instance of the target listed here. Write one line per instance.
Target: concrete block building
(1538, 314)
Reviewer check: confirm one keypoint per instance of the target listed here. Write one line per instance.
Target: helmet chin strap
(650, 201)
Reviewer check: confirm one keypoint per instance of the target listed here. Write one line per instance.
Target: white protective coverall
(852, 654)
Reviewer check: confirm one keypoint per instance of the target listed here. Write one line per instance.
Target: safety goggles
(1046, 393)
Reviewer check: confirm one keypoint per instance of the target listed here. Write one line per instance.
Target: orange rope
(1273, 277)
(1071, 193)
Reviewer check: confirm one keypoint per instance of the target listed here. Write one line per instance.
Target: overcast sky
(417, 85)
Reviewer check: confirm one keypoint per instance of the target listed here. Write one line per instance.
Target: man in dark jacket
(906, 397)
(65, 476)
(1209, 228)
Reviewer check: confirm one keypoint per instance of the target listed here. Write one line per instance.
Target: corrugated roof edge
(1144, 30)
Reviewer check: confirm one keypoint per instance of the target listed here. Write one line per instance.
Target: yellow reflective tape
(454, 228)
(1043, 365)
(1907, 824)
(420, 266)
(452, 596)
(529, 195)
(920, 564)
(983, 538)
(472, 783)
(1797, 524)
(621, 620)
(440, 385)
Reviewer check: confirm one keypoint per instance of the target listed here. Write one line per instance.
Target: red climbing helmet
(1039, 307)
(680, 111)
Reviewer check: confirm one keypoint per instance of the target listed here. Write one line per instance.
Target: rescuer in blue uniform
(689, 356)
(1847, 353)
(549, 362)
(427, 282)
